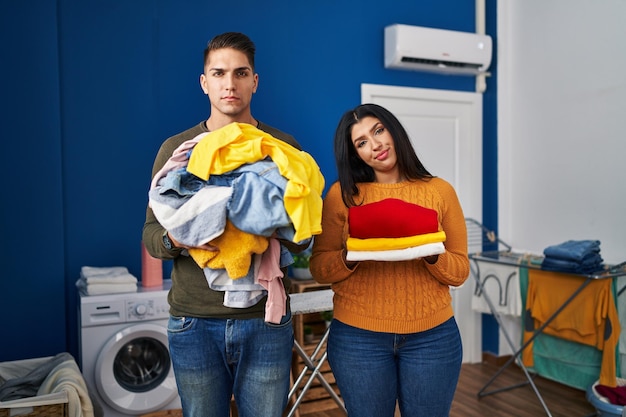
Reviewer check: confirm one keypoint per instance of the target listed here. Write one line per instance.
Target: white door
(445, 128)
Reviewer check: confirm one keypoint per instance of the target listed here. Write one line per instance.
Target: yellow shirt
(385, 243)
(235, 144)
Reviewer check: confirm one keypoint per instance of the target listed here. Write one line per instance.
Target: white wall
(562, 123)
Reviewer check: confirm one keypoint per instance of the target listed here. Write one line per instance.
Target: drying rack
(485, 246)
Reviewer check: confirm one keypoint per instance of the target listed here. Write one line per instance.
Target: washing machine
(123, 351)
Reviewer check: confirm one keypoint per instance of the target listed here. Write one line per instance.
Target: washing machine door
(133, 371)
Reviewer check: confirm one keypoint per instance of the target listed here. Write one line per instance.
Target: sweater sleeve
(327, 263)
(152, 234)
(452, 267)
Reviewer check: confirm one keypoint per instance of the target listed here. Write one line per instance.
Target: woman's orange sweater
(399, 296)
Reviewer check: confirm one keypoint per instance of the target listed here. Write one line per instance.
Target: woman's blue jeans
(373, 370)
(216, 358)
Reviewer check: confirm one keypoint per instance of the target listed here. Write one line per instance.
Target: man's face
(229, 81)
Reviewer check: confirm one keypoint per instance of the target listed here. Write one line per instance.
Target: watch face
(166, 241)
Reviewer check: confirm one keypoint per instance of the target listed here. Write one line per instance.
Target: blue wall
(90, 89)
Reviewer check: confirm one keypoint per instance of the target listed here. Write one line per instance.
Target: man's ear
(203, 83)
(256, 83)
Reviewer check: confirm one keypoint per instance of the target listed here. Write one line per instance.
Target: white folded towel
(406, 254)
(106, 280)
(112, 275)
(108, 288)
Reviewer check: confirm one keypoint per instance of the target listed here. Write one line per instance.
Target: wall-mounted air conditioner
(445, 51)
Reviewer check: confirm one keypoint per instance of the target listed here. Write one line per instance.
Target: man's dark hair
(234, 40)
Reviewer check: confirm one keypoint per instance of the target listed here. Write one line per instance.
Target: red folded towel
(391, 218)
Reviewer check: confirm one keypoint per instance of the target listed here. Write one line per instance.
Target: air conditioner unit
(445, 51)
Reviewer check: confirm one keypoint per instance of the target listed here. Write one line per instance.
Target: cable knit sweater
(400, 296)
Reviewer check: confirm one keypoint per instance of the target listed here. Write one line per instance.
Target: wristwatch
(167, 242)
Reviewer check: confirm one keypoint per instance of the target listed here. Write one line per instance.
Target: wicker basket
(53, 404)
(165, 413)
(49, 410)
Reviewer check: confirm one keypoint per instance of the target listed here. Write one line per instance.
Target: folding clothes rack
(485, 246)
(480, 238)
(304, 303)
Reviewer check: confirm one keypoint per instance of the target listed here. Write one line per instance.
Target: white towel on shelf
(97, 289)
(113, 275)
(106, 280)
(501, 284)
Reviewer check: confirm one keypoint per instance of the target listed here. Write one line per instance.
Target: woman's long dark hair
(350, 167)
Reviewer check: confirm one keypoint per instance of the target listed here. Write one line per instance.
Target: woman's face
(375, 146)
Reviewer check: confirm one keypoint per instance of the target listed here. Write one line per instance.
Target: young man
(219, 351)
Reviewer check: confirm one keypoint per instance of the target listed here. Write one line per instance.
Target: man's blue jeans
(373, 370)
(215, 358)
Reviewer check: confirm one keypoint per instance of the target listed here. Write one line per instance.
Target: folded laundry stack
(393, 230)
(106, 280)
(573, 256)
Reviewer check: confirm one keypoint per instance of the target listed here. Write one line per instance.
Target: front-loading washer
(124, 351)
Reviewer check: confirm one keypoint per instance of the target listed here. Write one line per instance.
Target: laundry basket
(602, 405)
(164, 413)
(54, 404)
(48, 410)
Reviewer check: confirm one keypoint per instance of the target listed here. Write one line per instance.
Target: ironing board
(304, 303)
(498, 252)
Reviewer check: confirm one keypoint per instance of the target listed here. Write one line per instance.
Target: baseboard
(492, 359)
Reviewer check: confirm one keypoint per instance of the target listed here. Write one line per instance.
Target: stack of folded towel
(573, 256)
(106, 280)
(393, 230)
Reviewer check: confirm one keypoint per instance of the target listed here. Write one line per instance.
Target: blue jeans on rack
(573, 250)
(216, 358)
(373, 370)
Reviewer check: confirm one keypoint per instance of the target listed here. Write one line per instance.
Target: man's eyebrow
(236, 69)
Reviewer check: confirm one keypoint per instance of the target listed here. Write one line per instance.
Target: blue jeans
(373, 370)
(573, 250)
(216, 358)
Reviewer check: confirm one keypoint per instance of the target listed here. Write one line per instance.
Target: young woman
(393, 241)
